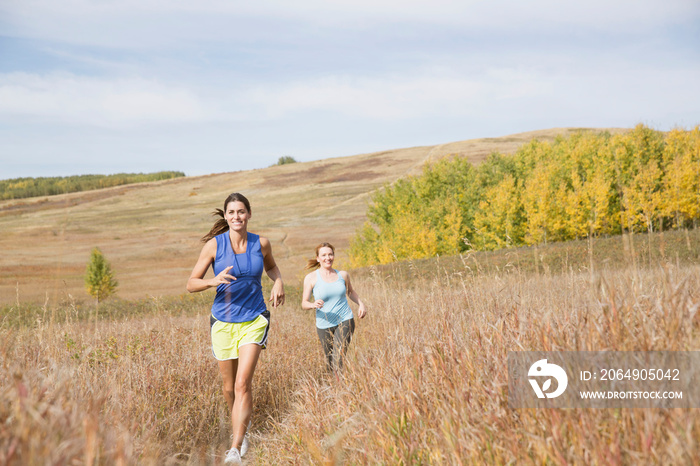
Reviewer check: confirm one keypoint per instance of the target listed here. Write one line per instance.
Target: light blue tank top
(242, 299)
(335, 305)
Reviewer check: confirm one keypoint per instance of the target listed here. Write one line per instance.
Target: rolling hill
(150, 231)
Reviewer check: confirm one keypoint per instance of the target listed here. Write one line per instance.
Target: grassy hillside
(426, 378)
(150, 232)
(134, 382)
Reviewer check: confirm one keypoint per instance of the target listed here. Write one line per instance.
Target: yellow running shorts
(227, 337)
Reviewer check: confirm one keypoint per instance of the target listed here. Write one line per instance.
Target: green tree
(19, 188)
(99, 278)
(285, 160)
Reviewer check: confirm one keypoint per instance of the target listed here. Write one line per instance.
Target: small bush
(285, 160)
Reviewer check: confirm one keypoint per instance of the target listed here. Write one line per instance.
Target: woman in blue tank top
(334, 320)
(239, 317)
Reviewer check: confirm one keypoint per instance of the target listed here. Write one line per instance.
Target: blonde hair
(313, 263)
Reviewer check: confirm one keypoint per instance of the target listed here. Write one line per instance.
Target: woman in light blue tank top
(334, 319)
(239, 318)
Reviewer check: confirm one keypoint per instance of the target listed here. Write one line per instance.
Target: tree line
(586, 184)
(19, 188)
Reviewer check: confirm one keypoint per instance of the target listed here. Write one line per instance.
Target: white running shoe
(233, 457)
(244, 445)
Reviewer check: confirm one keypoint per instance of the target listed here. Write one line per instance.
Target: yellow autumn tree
(600, 196)
(583, 184)
(498, 221)
(537, 198)
(681, 184)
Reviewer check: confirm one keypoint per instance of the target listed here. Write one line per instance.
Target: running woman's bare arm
(196, 281)
(306, 303)
(352, 294)
(277, 293)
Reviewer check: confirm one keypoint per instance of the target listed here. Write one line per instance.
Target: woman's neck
(239, 240)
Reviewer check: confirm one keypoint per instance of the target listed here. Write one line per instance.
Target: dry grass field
(426, 381)
(150, 231)
(133, 381)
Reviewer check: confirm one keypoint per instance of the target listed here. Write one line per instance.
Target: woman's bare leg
(243, 395)
(228, 370)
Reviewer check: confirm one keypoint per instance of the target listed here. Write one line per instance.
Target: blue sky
(106, 86)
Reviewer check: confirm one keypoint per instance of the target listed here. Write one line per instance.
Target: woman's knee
(243, 385)
(229, 385)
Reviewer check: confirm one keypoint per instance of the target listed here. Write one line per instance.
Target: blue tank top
(335, 305)
(242, 299)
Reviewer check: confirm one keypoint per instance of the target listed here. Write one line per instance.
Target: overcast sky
(106, 86)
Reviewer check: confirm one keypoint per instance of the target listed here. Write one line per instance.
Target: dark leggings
(335, 342)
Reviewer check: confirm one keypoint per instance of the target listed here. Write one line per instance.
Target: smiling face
(237, 216)
(325, 257)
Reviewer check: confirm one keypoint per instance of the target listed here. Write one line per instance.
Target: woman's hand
(318, 304)
(223, 278)
(361, 311)
(277, 294)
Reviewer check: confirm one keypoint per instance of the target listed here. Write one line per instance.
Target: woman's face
(237, 216)
(325, 257)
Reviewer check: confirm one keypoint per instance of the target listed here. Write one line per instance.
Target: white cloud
(433, 92)
(121, 102)
(421, 94)
(387, 97)
(156, 23)
(114, 102)
(249, 77)
(496, 14)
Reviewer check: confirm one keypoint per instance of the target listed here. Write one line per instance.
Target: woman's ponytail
(220, 226)
(312, 264)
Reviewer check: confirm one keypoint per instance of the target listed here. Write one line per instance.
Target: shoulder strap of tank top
(221, 242)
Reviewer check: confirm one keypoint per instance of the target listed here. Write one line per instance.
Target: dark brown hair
(313, 263)
(221, 225)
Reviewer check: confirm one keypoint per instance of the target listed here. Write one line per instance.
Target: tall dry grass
(425, 381)
(427, 378)
(145, 390)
